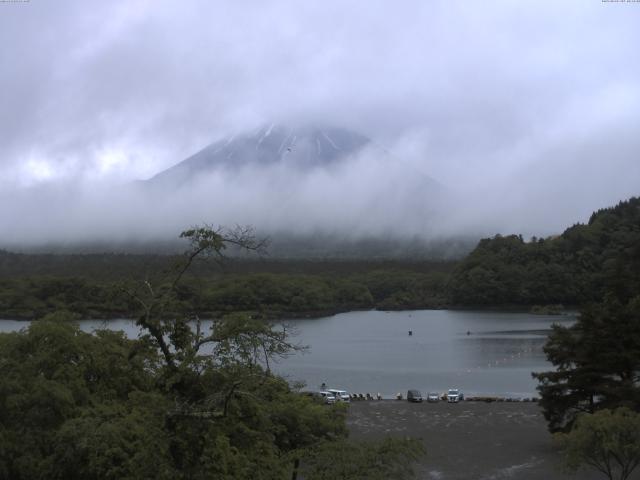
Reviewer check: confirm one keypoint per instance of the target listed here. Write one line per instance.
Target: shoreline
(314, 314)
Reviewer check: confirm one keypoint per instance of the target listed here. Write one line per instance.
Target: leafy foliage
(608, 441)
(178, 402)
(80, 405)
(597, 363)
(268, 295)
(597, 359)
(577, 267)
(57, 381)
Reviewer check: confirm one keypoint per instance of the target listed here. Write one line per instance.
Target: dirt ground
(469, 440)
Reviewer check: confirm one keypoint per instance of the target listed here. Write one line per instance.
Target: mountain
(314, 190)
(302, 147)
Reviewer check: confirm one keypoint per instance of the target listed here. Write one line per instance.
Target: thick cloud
(529, 109)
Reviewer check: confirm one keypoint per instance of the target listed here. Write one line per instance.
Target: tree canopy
(578, 267)
(597, 363)
(179, 402)
(608, 441)
(597, 359)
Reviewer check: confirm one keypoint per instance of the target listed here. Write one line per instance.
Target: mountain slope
(328, 188)
(303, 147)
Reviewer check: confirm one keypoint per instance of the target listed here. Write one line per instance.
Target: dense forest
(591, 397)
(30, 289)
(571, 269)
(574, 268)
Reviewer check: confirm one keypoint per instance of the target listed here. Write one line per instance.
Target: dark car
(414, 396)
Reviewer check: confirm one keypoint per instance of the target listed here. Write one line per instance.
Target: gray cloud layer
(530, 109)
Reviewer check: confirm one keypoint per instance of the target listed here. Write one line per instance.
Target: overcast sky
(538, 100)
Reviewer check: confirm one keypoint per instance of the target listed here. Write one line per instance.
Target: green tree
(582, 265)
(222, 376)
(608, 441)
(179, 402)
(597, 363)
(67, 395)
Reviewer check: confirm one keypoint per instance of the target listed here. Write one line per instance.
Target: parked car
(433, 397)
(320, 397)
(341, 395)
(454, 395)
(327, 397)
(414, 396)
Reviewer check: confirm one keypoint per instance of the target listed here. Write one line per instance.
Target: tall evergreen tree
(597, 363)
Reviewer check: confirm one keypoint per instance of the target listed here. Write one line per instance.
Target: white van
(454, 395)
(327, 397)
(341, 395)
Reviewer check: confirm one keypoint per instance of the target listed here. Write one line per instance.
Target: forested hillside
(579, 266)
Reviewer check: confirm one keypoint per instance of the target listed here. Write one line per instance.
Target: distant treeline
(577, 267)
(574, 268)
(126, 266)
(278, 291)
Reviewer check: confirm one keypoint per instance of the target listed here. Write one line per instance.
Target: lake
(478, 352)
(482, 353)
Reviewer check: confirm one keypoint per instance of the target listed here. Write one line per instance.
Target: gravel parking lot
(469, 440)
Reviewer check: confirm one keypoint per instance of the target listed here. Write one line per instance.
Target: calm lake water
(478, 352)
